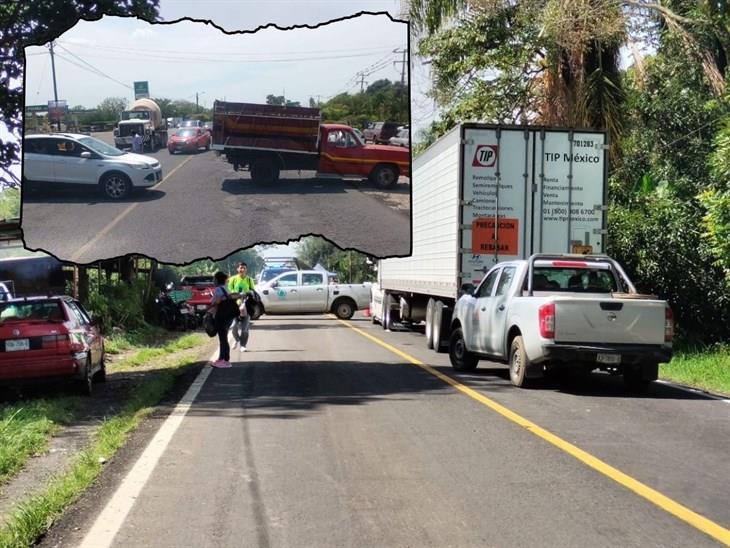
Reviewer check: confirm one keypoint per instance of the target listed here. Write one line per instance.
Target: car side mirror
(116, 133)
(275, 285)
(86, 154)
(467, 289)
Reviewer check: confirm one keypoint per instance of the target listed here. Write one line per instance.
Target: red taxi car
(49, 338)
(189, 139)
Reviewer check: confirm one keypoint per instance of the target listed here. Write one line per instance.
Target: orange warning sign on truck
(485, 241)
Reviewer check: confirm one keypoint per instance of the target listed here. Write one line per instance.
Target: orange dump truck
(269, 139)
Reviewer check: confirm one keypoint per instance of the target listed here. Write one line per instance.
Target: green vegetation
(382, 100)
(351, 266)
(36, 515)
(707, 368)
(10, 203)
(26, 427)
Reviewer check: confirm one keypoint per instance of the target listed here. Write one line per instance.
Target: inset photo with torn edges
(179, 141)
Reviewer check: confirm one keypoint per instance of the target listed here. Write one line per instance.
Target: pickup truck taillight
(547, 320)
(668, 324)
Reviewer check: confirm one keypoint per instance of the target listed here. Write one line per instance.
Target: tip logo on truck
(485, 156)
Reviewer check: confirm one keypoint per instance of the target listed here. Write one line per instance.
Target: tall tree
(36, 23)
(111, 108)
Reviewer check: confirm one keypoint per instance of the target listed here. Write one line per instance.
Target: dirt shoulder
(108, 399)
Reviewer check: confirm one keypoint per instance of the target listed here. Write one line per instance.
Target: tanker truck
(144, 117)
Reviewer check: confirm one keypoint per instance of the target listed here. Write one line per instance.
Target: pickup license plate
(608, 358)
(17, 344)
(201, 307)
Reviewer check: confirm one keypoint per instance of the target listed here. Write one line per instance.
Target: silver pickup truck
(562, 311)
(309, 292)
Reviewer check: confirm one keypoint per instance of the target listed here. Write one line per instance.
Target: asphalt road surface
(202, 208)
(322, 435)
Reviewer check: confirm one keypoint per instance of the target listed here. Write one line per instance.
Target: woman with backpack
(224, 309)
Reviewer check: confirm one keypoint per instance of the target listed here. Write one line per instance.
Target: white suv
(66, 158)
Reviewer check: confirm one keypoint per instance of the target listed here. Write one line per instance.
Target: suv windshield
(198, 280)
(100, 146)
(186, 133)
(44, 311)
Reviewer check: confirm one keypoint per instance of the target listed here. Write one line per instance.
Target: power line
(99, 72)
(90, 70)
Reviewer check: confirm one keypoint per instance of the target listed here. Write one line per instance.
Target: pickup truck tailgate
(619, 321)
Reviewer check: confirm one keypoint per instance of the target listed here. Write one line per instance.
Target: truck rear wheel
(518, 363)
(441, 322)
(343, 309)
(461, 359)
(429, 323)
(638, 379)
(384, 177)
(264, 171)
(388, 319)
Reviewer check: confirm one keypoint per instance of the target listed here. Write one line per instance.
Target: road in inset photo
(203, 207)
(220, 142)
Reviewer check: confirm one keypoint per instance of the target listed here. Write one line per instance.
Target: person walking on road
(241, 284)
(137, 143)
(224, 309)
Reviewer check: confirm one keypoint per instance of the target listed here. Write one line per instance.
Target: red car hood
(176, 139)
(392, 148)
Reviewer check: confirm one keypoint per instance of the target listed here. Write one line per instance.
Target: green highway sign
(141, 89)
(36, 108)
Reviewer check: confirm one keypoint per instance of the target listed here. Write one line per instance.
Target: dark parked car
(49, 339)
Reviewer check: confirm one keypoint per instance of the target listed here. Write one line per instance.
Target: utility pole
(362, 81)
(196, 103)
(403, 64)
(55, 89)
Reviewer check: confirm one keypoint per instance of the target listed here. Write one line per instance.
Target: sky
(100, 59)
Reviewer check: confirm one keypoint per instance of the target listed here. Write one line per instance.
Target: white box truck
(483, 194)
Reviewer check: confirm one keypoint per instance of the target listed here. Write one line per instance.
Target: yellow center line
(104, 231)
(694, 519)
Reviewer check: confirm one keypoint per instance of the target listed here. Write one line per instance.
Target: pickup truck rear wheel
(388, 314)
(461, 359)
(518, 363)
(637, 380)
(384, 177)
(344, 309)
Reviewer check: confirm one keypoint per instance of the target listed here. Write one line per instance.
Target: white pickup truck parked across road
(562, 311)
(308, 291)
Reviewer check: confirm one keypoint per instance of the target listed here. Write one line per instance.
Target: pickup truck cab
(309, 292)
(561, 312)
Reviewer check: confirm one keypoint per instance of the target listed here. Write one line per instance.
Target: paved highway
(330, 433)
(202, 208)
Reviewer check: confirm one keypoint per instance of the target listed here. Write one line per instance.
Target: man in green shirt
(241, 283)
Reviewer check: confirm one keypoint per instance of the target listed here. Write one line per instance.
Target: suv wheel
(116, 185)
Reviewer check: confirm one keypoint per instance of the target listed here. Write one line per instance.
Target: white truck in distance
(483, 194)
(143, 117)
(309, 292)
(561, 311)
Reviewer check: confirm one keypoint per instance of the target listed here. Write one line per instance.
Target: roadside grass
(706, 368)
(128, 340)
(26, 429)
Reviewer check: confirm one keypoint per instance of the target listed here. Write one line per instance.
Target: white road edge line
(694, 391)
(108, 523)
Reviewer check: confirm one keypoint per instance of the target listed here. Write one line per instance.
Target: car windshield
(198, 281)
(186, 133)
(270, 273)
(100, 146)
(42, 311)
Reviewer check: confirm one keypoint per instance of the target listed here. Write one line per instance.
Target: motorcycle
(174, 315)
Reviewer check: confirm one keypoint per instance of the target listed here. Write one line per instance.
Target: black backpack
(227, 310)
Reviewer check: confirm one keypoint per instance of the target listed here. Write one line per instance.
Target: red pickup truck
(268, 139)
